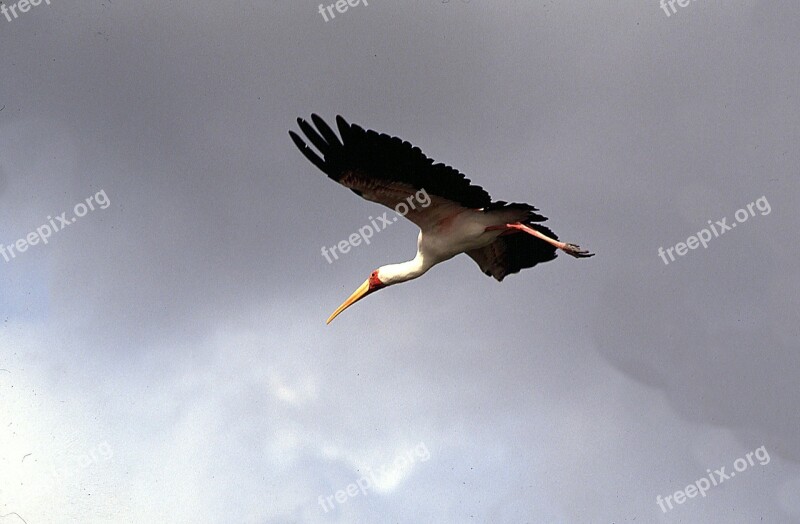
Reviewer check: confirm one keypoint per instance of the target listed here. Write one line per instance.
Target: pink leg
(570, 249)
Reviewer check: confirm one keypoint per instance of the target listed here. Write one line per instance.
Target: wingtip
(297, 140)
(344, 128)
(326, 131)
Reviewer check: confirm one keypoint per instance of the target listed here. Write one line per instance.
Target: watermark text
(45, 231)
(715, 478)
(371, 480)
(719, 228)
(23, 6)
(366, 232)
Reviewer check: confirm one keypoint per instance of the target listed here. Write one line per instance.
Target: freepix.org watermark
(366, 232)
(45, 231)
(671, 4)
(704, 235)
(23, 6)
(370, 481)
(715, 478)
(340, 5)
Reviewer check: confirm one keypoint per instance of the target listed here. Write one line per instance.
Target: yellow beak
(358, 294)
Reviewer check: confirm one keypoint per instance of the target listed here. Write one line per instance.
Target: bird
(502, 238)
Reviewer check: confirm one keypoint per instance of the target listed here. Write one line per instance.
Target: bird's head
(372, 284)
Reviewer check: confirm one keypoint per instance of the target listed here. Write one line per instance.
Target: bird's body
(463, 232)
(459, 217)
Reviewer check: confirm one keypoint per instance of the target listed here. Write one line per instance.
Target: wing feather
(307, 152)
(312, 134)
(512, 253)
(385, 169)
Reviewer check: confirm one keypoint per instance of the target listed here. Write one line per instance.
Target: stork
(501, 237)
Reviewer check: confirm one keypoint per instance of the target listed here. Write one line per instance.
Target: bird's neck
(403, 272)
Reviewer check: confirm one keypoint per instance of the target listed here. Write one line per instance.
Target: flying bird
(461, 217)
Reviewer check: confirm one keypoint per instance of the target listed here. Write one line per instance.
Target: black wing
(514, 252)
(386, 169)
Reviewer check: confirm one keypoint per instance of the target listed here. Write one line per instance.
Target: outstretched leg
(570, 249)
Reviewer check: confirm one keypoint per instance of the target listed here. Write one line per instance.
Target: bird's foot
(576, 251)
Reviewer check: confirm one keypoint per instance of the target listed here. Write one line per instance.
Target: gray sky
(166, 358)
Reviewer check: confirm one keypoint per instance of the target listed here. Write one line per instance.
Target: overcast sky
(165, 358)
